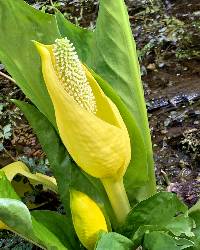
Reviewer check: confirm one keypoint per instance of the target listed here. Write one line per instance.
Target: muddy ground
(168, 40)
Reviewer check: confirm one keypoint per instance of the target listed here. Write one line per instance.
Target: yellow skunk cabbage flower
(89, 123)
(87, 217)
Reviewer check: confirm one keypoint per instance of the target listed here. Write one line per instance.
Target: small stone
(151, 66)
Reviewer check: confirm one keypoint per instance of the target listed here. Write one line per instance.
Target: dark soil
(168, 39)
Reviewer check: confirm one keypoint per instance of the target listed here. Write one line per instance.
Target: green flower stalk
(89, 123)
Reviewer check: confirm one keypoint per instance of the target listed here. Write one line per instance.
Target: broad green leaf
(6, 191)
(115, 55)
(56, 224)
(19, 24)
(46, 237)
(180, 225)
(139, 234)
(16, 216)
(113, 241)
(160, 240)
(9, 204)
(148, 217)
(150, 212)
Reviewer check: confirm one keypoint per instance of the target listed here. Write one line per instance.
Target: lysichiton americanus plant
(90, 117)
(89, 123)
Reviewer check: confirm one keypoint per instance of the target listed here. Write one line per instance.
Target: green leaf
(113, 241)
(150, 212)
(6, 190)
(116, 57)
(177, 228)
(180, 225)
(56, 224)
(81, 38)
(160, 240)
(196, 239)
(46, 237)
(12, 211)
(16, 216)
(139, 234)
(194, 213)
(19, 24)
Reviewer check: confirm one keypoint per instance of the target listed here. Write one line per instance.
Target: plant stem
(9, 154)
(51, 2)
(118, 197)
(8, 77)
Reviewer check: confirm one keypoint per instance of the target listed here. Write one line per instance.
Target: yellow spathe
(87, 217)
(98, 141)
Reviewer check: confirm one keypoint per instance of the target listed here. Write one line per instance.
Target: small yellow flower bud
(87, 217)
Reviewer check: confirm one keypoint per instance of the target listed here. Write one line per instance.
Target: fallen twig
(8, 77)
